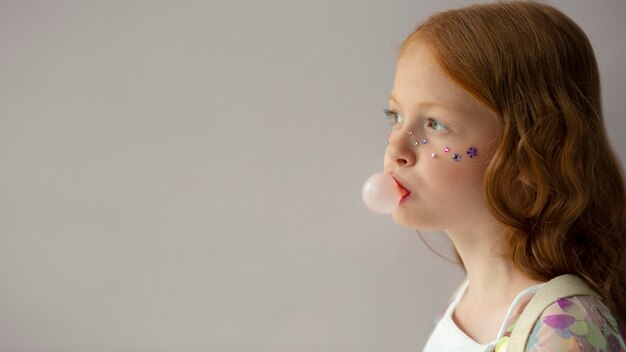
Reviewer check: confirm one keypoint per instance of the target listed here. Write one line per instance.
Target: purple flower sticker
(472, 152)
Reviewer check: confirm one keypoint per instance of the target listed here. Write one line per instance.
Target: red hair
(554, 181)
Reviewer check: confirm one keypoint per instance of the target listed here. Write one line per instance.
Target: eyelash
(393, 116)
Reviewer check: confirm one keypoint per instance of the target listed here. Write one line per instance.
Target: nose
(400, 149)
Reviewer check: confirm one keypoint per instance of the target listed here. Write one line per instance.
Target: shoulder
(577, 323)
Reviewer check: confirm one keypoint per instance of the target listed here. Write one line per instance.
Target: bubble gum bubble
(381, 194)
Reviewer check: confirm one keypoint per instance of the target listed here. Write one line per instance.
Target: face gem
(456, 157)
(446, 149)
(424, 141)
(472, 152)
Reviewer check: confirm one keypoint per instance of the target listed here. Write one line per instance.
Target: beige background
(185, 175)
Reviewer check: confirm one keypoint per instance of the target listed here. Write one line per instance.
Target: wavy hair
(554, 181)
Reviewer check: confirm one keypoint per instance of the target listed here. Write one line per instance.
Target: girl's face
(447, 186)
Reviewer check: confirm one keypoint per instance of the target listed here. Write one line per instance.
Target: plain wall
(186, 175)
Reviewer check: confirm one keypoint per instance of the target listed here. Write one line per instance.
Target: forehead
(422, 84)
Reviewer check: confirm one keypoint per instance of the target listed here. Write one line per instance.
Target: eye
(435, 124)
(394, 117)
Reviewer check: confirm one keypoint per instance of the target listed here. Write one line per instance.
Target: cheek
(455, 181)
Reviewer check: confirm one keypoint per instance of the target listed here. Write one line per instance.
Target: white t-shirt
(447, 337)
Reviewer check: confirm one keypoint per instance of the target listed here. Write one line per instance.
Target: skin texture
(447, 195)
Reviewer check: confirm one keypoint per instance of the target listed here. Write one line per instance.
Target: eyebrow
(429, 104)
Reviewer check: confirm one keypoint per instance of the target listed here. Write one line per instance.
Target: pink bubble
(381, 194)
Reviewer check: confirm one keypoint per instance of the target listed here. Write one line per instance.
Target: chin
(413, 223)
(404, 220)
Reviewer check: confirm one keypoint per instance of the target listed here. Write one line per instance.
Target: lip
(406, 191)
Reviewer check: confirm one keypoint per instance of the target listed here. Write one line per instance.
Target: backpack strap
(561, 286)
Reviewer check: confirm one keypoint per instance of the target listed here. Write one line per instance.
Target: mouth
(402, 190)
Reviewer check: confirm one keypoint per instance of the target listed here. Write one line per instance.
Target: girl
(498, 139)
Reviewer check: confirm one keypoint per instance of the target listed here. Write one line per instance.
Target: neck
(492, 278)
